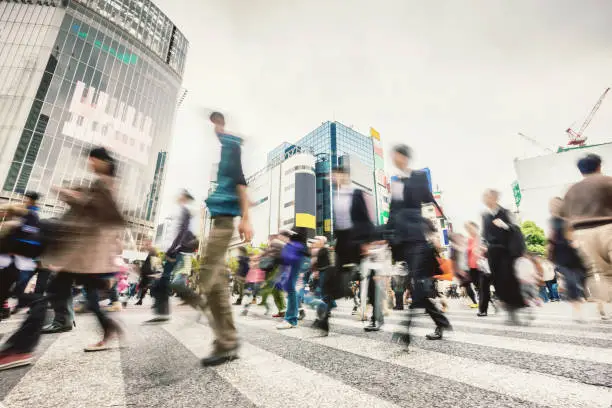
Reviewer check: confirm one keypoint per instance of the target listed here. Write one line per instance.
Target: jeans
(553, 289)
(161, 289)
(291, 315)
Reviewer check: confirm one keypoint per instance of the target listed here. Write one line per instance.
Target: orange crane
(577, 138)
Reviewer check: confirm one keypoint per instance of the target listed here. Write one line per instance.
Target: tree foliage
(534, 237)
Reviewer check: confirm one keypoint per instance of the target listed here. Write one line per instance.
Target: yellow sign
(327, 226)
(374, 133)
(305, 220)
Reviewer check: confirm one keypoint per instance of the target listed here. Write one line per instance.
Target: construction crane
(577, 138)
(535, 142)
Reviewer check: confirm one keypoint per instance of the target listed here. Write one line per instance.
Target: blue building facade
(333, 143)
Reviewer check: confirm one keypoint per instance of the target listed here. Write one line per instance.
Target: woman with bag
(505, 244)
(83, 253)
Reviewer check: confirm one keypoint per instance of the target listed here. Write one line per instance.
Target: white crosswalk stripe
(482, 363)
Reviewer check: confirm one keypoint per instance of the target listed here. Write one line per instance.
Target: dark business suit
(407, 226)
(501, 262)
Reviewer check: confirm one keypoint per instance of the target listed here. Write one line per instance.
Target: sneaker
(605, 317)
(278, 315)
(99, 346)
(285, 326)
(355, 310)
(482, 314)
(474, 306)
(158, 319)
(12, 360)
(322, 325)
(219, 357)
(56, 328)
(401, 338)
(139, 303)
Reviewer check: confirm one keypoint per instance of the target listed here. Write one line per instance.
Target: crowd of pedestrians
(396, 265)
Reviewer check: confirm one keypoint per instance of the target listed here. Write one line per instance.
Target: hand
(246, 230)
(500, 224)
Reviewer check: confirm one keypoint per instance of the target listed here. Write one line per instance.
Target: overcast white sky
(454, 79)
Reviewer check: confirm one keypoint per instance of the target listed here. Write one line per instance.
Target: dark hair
(403, 150)
(216, 115)
(32, 195)
(102, 154)
(589, 164)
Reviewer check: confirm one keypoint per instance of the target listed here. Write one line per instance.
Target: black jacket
(348, 242)
(406, 222)
(494, 236)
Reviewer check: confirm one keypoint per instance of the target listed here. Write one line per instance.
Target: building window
(289, 204)
(290, 221)
(290, 186)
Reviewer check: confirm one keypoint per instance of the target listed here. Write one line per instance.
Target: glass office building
(81, 73)
(333, 143)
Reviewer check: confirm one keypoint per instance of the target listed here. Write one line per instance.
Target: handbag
(516, 244)
(483, 266)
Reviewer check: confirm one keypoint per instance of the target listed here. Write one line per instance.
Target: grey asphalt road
(554, 362)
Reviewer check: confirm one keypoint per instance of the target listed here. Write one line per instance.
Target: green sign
(126, 58)
(516, 190)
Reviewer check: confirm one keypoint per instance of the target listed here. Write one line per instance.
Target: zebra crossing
(554, 362)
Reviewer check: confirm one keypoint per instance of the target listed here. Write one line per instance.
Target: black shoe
(354, 312)
(237, 303)
(373, 327)
(56, 328)
(5, 313)
(436, 335)
(220, 357)
(322, 325)
(302, 314)
(139, 303)
(401, 338)
(482, 314)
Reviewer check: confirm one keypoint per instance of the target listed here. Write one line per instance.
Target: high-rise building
(81, 73)
(334, 144)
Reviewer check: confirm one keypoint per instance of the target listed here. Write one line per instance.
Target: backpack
(25, 239)
(190, 243)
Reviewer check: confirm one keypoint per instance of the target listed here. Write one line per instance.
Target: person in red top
(481, 280)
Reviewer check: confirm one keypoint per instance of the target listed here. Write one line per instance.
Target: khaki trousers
(214, 284)
(596, 246)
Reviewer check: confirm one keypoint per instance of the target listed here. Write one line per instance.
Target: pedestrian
(20, 246)
(181, 240)
(228, 201)
(293, 259)
(353, 213)
(500, 236)
(563, 252)
(409, 191)
(241, 273)
(82, 252)
(150, 267)
(458, 257)
(481, 276)
(254, 280)
(270, 263)
(588, 209)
